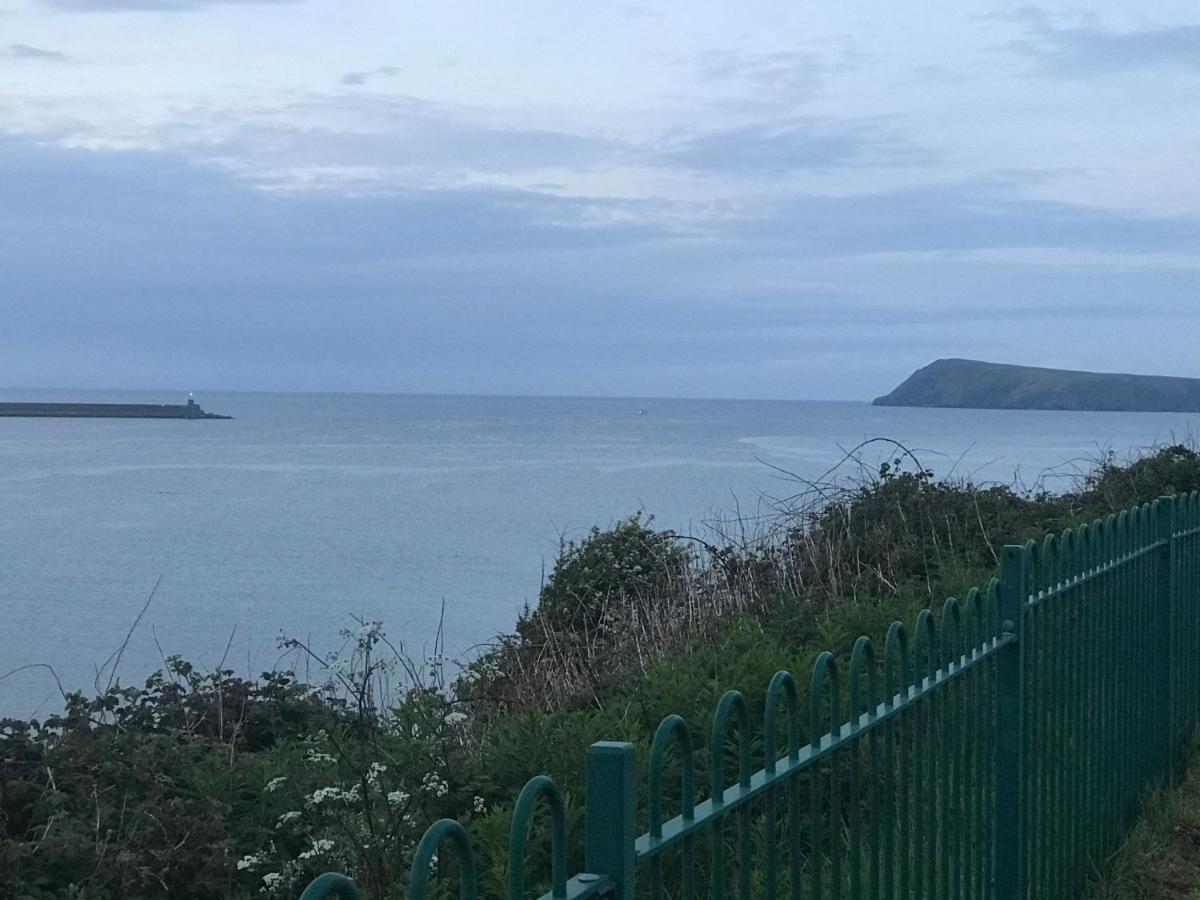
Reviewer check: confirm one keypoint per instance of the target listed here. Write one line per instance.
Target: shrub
(904, 531)
(1111, 486)
(629, 566)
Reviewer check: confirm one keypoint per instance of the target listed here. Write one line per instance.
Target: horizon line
(198, 393)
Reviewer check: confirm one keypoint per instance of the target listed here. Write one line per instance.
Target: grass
(1160, 859)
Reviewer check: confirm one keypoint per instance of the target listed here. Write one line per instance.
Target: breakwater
(189, 410)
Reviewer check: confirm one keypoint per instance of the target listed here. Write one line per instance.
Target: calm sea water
(308, 508)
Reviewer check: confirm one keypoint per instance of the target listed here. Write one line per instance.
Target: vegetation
(1160, 860)
(204, 785)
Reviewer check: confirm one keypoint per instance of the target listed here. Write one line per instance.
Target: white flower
(479, 805)
(249, 862)
(319, 846)
(320, 795)
(370, 631)
(375, 770)
(455, 718)
(315, 756)
(435, 785)
(274, 783)
(288, 817)
(271, 880)
(397, 798)
(332, 794)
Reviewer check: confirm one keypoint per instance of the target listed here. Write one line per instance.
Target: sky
(702, 199)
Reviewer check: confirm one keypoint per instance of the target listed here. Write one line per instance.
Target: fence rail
(997, 751)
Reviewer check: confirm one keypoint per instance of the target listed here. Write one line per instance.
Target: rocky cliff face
(966, 383)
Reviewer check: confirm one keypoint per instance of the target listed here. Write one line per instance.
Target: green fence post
(329, 886)
(1008, 862)
(611, 803)
(1165, 507)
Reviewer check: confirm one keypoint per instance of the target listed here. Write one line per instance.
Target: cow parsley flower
(435, 785)
(319, 846)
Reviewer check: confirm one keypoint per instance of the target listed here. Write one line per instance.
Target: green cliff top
(966, 383)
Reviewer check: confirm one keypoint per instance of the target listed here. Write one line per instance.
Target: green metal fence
(997, 750)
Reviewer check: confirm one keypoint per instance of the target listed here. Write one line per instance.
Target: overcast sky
(715, 199)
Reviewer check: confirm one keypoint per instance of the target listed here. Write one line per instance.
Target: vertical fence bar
(1078, 693)
(924, 823)
(1009, 826)
(1090, 699)
(1166, 612)
(611, 802)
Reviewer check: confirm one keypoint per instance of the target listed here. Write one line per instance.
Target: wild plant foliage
(207, 784)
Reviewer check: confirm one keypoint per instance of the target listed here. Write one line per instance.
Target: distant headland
(970, 384)
(190, 410)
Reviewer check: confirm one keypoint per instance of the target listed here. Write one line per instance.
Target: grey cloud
(83, 6)
(966, 215)
(400, 133)
(782, 71)
(777, 147)
(368, 140)
(26, 51)
(140, 268)
(1087, 48)
(145, 206)
(779, 76)
(635, 11)
(356, 78)
(407, 132)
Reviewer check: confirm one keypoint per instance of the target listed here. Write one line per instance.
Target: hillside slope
(965, 383)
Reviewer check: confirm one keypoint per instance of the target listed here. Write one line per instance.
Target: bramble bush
(1174, 469)
(630, 564)
(212, 786)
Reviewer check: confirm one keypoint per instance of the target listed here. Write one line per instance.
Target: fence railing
(997, 750)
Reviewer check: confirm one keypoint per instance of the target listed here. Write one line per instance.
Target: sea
(437, 515)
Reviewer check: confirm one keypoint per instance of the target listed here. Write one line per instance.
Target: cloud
(144, 206)
(26, 51)
(779, 76)
(968, 214)
(365, 139)
(143, 269)
(773, 147)
(356, 78)
(1086, 48)
(84, 6)
(784, 71)
(368, 141)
